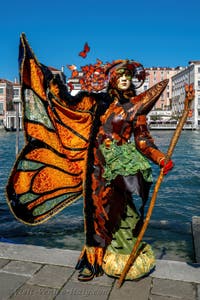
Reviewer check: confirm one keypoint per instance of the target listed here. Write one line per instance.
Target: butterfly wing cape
(48, 174)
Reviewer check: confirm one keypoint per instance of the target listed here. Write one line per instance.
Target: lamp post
(17, 128)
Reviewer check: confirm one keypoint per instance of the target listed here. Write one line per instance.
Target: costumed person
(91, 145)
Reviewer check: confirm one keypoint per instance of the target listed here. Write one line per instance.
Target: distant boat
(10, 129)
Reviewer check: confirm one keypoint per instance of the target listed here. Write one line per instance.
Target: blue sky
(156, 33)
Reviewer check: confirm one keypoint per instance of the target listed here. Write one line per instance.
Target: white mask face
(123, 82)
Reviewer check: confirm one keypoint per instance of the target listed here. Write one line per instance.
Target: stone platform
(38, 273)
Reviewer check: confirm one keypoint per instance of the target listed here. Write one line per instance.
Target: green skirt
(124, 160)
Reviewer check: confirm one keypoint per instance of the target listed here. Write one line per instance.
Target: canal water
(169, 231)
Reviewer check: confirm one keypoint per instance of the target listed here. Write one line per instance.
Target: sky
(155, 33)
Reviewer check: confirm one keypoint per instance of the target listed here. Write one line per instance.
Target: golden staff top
(188, 98)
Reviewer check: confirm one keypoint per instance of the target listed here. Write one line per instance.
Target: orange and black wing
(48, 174)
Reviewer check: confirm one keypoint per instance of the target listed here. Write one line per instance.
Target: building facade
(166, 111)
(162, 109)
(190, 75)
(13, 118)
(6, 101)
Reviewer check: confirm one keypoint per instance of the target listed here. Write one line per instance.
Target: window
(1, 108)
(1, 91)
(198, 70)
(16, 92)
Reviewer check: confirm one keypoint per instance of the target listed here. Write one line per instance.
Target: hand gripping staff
(189, 96)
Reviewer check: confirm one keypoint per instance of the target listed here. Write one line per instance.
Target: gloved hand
(166, 167)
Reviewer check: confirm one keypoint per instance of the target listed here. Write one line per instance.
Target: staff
(188, 98)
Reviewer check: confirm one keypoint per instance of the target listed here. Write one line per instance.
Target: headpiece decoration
(95, 77)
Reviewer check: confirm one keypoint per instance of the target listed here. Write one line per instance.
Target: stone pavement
(38, 273)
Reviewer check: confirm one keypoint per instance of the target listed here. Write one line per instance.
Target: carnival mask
(124, 79)
(132, 71)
